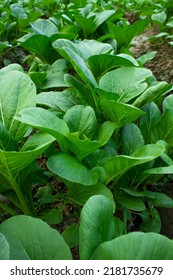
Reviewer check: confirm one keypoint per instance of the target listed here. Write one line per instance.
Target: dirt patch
(162, 65)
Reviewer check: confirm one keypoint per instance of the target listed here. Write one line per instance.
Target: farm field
(86, 130)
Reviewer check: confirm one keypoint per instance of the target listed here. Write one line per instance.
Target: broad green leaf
(105, 132)
(55, 75)
(80, 194)
(131, 138)
(11, 163)
(151, 93)
(89, 48)
(57, 100)
(153, 223)
(43, 120)
(53, 217)
(71, 169)
(17, 92)
(120, 228)
(156, 198)
(143, 59)
(81, 68)
(128, 82)
(159, 199)
(149, 120)
(130, 202)
(81, 147)
(168, 102)
(163, 130)
(124, 35)
(40, 45)
(103, 16)
(82, 91)
(136, 246)
(31, 238)
(7, 141)
(99, 64)
(4, 248)
(44, 27)
(120, 113)
(84, 48)
(118, 165)
(96, 225)
(10, 67)
(81, 119)
(159, 17)
(87, 25)
(18, 11)
(163, 170)
(71, 235)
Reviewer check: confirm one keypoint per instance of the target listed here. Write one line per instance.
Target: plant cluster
(100, 121)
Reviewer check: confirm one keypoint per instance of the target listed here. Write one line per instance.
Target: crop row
(101, 124)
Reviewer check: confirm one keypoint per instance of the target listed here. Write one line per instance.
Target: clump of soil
(14, 55)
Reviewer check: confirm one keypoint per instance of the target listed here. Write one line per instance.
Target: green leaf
(96, 225)
(130, 202)
(77, 53)
(163, 170)
(53, 217)
(5, 250)
(57, 100)
(131, 138)
(71, 169)
(163, 130)
(149, 120)
(31, 238)
(71, 235)
(54, 75)
(7, 141)
(136, 246)
(17, 92)
(103, 16)
(119, 227)
(81, 67)
(153, 223)
(159, 17)
(11, 163)
(87, 25)
(81, 147)
(44, 27)
(143, 59)
(120, 113)
(105, 132)
(40, 45)
(168, 102)
(101, 63)
(124, 35)
(43, 120)
(81, 119)
(127, 82)
(151, 93)
(118, 165)
(80, 194)
(11, 67)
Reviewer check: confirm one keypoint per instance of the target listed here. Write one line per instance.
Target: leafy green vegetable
(26, 238)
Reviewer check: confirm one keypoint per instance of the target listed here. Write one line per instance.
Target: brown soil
(162, 65)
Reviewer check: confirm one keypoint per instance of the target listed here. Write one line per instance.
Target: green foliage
(96, 117)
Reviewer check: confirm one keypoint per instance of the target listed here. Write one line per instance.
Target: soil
(162, 64)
